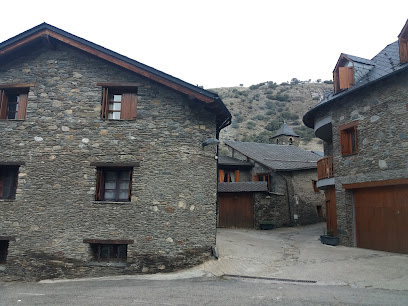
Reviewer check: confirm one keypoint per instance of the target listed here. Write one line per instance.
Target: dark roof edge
(307, 118)
(46, 26)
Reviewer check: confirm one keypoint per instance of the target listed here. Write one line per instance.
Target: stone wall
(382, 136)
(305, 199)
(172, 213)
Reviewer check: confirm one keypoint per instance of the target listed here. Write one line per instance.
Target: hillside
(259, 110)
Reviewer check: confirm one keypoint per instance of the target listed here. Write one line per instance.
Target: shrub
(328, 82)
(274, 125)
(304, 132)
(289, 116)
(270, 105)
(251, 124)
(272, 85)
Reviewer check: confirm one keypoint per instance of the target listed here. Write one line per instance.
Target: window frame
(6, 174)
(223, 172)
(101, 172)
(348, 139)
(113, 247)
(264, 175)
(21, 92)
(4, 245)
(128, 103)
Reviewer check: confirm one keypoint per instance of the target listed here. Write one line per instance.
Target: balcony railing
(325, 168)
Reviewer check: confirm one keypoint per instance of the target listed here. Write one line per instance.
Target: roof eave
(190, 90)
(308, 117)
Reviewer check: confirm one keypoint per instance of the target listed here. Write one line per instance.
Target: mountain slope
(259, 110)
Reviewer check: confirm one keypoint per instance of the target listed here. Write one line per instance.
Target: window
(113, 184)
(108, 250)
(348, 138)
(4, 244)
(119, 101)
(315, 186)
(319, 211)
(13, 103)
(8, 181)
(228, 176)
(263, 177)
(3, 251)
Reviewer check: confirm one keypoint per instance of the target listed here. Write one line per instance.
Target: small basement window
(4, 244)
(348, 138)
(3, 251)
(108, 250)
(8, 181)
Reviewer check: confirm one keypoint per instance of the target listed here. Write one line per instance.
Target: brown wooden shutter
(256, 178)
(3, 105)
(345, 142)
(99, 185)
(105, 103)
(22, 106)
(346, 75)
(236, 175)
(129, 106)
(221, 176)
(403, 48)
(130, 184)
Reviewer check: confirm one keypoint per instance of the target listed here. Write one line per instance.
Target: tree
(294, 81)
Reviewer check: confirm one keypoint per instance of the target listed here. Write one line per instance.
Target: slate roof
(386, 63)
(28, 39)
(230, 161)
(285, 130)
(359, 59)
(243, 187)
(277, 157)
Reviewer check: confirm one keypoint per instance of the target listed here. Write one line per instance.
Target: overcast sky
(222, 43)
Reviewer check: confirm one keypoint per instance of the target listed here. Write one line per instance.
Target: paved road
(196, 291)
(297, 253)
(337, 275)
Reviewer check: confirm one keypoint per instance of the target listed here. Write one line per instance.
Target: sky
(223, 43)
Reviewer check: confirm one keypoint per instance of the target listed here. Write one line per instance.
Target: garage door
(382, 218)
(236, 210)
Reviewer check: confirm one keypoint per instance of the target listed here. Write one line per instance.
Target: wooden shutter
(256, 178)
(3, 105)
(345, 142)
(403, 48)
(105, 103)
(221, 176)
(129, 106)
(99, 185)
(346, 75)
(236, 175)
(22, 106)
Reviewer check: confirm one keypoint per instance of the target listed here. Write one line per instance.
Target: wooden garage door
(236, 210)
(382, 218)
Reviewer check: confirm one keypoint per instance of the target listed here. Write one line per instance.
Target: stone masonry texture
(292, 200)
(172, 213)
(382, 136)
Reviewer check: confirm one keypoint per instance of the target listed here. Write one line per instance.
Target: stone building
(103, 168)
(267, 185)
(285, 136)
(365, 169)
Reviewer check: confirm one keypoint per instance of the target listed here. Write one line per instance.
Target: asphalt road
(194, 291)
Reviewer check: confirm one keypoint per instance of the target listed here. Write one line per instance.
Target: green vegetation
(304, 132)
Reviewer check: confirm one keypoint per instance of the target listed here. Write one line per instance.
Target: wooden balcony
(325, 168)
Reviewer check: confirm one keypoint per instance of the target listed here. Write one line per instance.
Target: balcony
(323, 129)
(325, 168)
